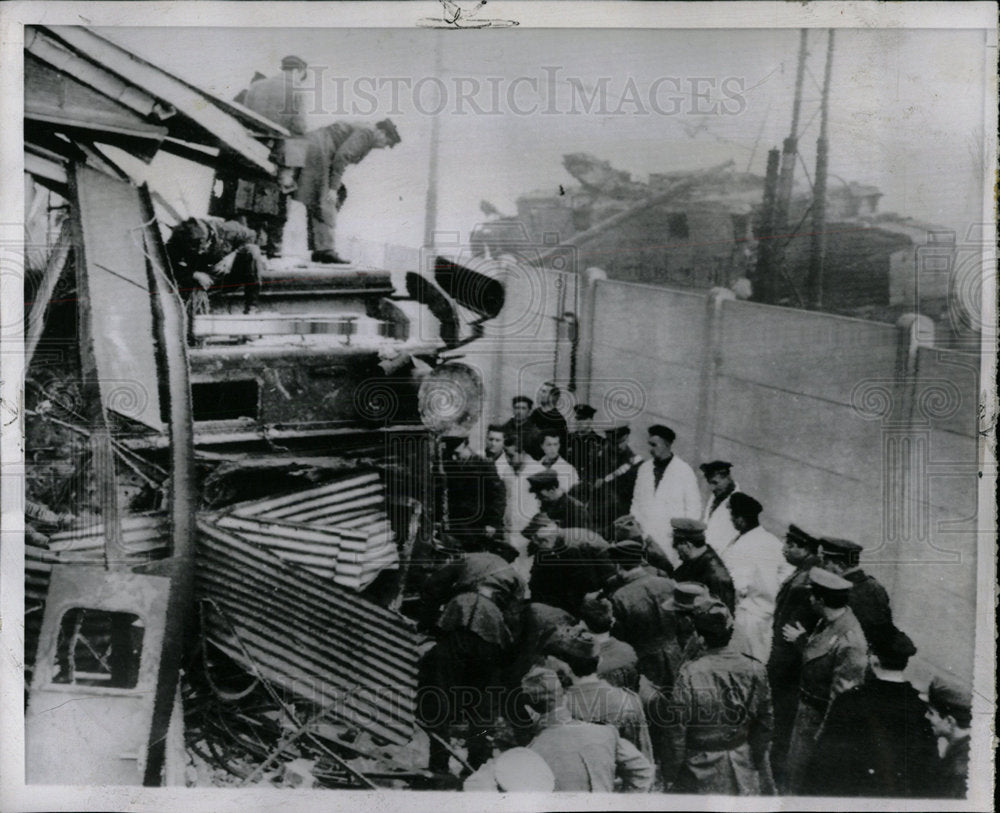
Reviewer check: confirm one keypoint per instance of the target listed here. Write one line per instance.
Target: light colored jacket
(654, 506)
(585, 757)
(565, 472)
(758, 568)
(719, 531)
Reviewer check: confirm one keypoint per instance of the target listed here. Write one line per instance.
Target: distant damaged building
(691, 229)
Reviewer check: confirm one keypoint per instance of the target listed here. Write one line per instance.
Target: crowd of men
(598, 628)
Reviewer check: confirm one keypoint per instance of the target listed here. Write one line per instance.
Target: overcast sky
(906, 109)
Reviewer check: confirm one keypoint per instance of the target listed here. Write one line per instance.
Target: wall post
(711, 360)
(585, 336)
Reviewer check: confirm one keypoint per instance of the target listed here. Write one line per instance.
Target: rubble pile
(240, 732)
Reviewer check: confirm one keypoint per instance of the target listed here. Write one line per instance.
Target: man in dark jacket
(522, 427)
(699, 562)
(869, 600)
(641, 619)
(568, 564)
(585, 448)
(555, 503)
(617, 662)
(792, 607)
(644, 620)
(949, 711)
(482, 596)
(877, 734)
(209, 252)
(475, 494)
(615, 481)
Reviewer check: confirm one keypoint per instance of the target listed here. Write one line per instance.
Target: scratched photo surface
(457, 404)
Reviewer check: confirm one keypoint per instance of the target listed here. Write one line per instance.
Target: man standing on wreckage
(328, 152)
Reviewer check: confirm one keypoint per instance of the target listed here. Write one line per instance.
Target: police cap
(688, 530)
(687, 595)
(828, 581)
(802, 538)
(840, 550)
(714, 467)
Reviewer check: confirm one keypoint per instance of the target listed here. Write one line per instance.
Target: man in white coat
(514, 468)
(719, 530)
(665, 488)
(755, 561)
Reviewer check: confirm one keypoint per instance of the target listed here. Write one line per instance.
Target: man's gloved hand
(203, 279)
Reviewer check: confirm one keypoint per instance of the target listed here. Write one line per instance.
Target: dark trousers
(459, 683)
(247, 270)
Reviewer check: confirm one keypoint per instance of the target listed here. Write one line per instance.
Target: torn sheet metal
(326, 505)
(200, 114)
(350, 556)
(339, 530)
(113, 280)
(54, 97)
(313, 639)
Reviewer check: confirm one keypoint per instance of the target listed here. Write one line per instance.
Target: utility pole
(789, 155)
(430, 204)
(817, 242)
(764, 282)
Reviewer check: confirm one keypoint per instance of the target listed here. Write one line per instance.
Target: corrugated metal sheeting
(312, 638)
(339, 530)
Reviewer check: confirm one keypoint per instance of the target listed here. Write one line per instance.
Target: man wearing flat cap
(756, 564)
(869, 600)
(565, 511)
(834, 658)
(329, 152)
(949, 711)
(719, 728)
(568, 563)
(688, 596)
(594, 700)
(877, 740)
(793, 608)
(584, 757)
(699, 562)
(719, 530)
(665, 488)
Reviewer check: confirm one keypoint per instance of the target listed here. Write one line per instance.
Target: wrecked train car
(256, 483)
